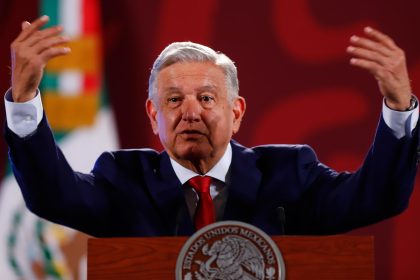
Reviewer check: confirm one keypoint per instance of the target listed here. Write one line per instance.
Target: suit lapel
(167, 192)
(243, 182)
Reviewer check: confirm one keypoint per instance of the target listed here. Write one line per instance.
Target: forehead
(191, 74)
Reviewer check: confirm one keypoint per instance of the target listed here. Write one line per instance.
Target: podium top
(336, 257)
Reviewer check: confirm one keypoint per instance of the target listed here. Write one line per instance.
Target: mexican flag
(73, 98)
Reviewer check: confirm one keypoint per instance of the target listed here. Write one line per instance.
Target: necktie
(204, 214)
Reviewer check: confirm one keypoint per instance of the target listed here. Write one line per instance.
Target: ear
(151, 111)
(239, 107)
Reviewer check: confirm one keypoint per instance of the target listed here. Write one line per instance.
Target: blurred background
(293, 72)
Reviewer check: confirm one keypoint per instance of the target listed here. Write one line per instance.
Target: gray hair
(193, 52)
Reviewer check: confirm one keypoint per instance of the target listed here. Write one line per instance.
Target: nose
(191, 110)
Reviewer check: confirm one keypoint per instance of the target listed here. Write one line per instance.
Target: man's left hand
(378, 53)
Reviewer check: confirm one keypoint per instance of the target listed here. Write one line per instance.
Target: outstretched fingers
(40, 35)
(52, 42)
(367, 54)
(380, 37)
(52, 52)
(29, 28)
(30, 52)
(378, 53)
(369, 44)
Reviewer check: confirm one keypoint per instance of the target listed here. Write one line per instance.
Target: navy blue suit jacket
(136, 192)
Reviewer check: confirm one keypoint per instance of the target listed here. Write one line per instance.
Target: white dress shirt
(217, 173)
(218, 191)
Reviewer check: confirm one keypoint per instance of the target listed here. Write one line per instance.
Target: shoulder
(275, 159)
(277, 163)
(283, 149)
(131, 154)
(128, 161)
(276, 151)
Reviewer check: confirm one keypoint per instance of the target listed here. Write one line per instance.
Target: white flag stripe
(70, 82)
(71, 17)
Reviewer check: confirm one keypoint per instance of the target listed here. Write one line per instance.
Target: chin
(194, 152)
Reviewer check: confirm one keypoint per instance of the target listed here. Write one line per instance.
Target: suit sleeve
(50, 187)
(337, 202)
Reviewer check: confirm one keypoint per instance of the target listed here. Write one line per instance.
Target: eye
(207, 98)
(174, 99)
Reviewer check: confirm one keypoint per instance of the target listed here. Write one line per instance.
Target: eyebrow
(210, 88)
(172, 89)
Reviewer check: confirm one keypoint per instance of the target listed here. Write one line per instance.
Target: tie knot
(201, 184)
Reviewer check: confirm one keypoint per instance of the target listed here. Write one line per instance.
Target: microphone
(281, 216)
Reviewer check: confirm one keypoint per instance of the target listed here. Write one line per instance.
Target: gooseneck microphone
(281, 216)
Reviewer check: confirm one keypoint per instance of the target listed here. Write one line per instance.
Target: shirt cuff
(401, 123)
(23, 118)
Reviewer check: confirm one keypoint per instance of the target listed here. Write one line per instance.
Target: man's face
(192, 113)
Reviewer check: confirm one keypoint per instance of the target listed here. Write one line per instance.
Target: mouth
(191, 134)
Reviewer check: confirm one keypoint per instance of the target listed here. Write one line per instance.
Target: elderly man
(203, 175)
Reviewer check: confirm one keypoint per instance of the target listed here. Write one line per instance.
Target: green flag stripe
(49, 82)
(11, 244)
(49, 267)
(50, 8)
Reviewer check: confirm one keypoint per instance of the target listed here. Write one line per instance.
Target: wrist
(21, 98)
(402, 106)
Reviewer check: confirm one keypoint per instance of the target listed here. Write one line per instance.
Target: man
(195, 109)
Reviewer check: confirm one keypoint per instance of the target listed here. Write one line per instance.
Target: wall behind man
(293, 71)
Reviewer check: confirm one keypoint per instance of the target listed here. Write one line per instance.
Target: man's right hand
(30, 52)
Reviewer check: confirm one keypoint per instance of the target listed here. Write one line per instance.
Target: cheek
(166, 123)
(161, 126)
(221, 123)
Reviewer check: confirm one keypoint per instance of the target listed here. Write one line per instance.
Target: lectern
(306, 258)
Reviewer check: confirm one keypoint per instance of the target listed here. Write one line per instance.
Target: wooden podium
(330, 257)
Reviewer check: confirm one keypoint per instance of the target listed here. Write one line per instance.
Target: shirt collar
(218, 171)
